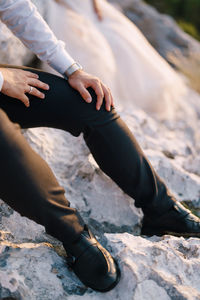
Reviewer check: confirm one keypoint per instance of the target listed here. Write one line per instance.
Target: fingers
(33, 82)
(99, 92)
(25, 100)
(81, 80)
(102, 91)
(30, 74)
(18, 82)
(112, 100)
(107, 96)
(37, 83)
(35, 92)
(84, 93)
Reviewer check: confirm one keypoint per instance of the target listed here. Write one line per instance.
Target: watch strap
(74, 67)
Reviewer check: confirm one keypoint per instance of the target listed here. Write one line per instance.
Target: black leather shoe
(177, 221)
(92, 263)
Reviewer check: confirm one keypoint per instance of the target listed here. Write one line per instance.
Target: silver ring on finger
(31, 89)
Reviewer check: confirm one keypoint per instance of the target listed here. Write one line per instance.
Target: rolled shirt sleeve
(23, 19)
(1, 81)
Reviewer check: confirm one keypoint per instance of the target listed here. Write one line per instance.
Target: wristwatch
(74, 67)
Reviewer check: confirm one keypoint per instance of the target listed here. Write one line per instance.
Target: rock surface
(32, 264)
(12, 50)
(177, 47)
(156, 268)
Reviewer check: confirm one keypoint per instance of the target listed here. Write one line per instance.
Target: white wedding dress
(116, 51)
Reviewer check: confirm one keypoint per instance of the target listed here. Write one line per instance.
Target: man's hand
(18, 82)
(81, 80)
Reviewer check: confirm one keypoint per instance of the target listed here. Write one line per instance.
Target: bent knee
(94, 117)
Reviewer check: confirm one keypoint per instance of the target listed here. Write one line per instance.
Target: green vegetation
(185, 12)
(190, 29)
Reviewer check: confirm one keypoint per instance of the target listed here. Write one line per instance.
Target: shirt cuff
(61, 60)
(1, 81)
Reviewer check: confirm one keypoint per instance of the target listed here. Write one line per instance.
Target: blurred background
(185, 12)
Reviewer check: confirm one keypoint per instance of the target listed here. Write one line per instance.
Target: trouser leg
(28, 185)
(118, 154)
(111, 142)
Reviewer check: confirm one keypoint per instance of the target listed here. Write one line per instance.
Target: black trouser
(27, 183)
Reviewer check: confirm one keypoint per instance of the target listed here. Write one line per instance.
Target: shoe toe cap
(97, 269)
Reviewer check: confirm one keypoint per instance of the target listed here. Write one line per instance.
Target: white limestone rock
(86, 185)
(156, 267)
(35, 271)
(165, 267)
(12, 51)
(151, 268)
(169, 146)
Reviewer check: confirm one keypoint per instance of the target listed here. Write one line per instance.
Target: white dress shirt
(23, 19)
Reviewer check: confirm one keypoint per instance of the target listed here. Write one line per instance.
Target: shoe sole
(178, 234)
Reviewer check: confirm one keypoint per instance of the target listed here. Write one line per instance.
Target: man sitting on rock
(80, 104)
